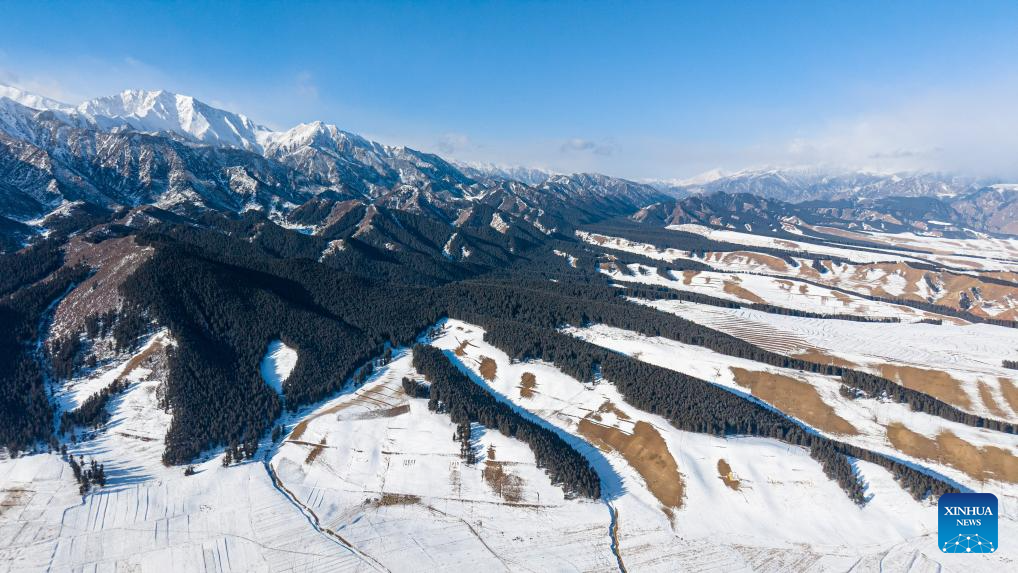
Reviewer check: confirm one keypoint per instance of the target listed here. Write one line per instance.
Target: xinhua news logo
(967, 523)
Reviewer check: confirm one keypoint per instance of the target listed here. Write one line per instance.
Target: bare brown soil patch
(12, 498)
(794, 397)
(984, 463)
(114, 261)
(463, 216)
(727, 475)
(365, 223)
(936, 383)
(609, 408)
(155, 349)
(994, 463)
(383, 413)
(645, 450)
(461, 350)
(733, 288)
(956, 284)
(956, 262)
(687, 277)
(136, 437)
(771, 262)
(986, 394)
(843, 298)
(394, 499)
(912, 443)
(822, 357)
(1010, 391)
(804, 289)
(488, 368)
(913, 277)
(503, 481)
(338, 211)
(528, 382)
(951, 286)
(382, 396)
(808, 271)
(315, 452)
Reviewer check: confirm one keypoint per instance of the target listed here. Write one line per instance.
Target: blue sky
(638, 89)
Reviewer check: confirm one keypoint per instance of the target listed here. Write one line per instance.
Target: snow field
(751, 240)
(74, 392)
(391, 482)
(970, 353)
(277, 364)
(386, 488)
(869, 416)
(150, 517)
(759, 526)
(893, 279)
(787, 293)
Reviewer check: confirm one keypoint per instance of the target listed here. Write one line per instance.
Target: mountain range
(797, 184)
(179, 154)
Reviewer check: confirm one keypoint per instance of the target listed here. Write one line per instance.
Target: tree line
(692, 404)
(561, 304)
(667, 293)
(692, 242)
(92, 412)
(26, 416)
(877, 387)
(224, 302)
(453, 393)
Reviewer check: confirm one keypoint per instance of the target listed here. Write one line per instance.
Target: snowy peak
(528, 175)
(701, 179)
(317, 134)
(798, 184)
(31, 100)
(16, 119)
(166, 112)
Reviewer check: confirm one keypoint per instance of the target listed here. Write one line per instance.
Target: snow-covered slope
(277, 364)
(17, 119)
(150, 517)
(719, 524)
(811, 183)
(32, 100)
(162, 111)
(981, 285)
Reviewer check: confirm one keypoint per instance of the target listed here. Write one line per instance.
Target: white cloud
(579, 145)
(972, 130)
(454, 143)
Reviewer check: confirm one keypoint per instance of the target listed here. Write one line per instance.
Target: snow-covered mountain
(321, 151)
(162, 111)
(179, 154)
(32, 100)
(528, 175)
(355, 164)
(811, 184)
